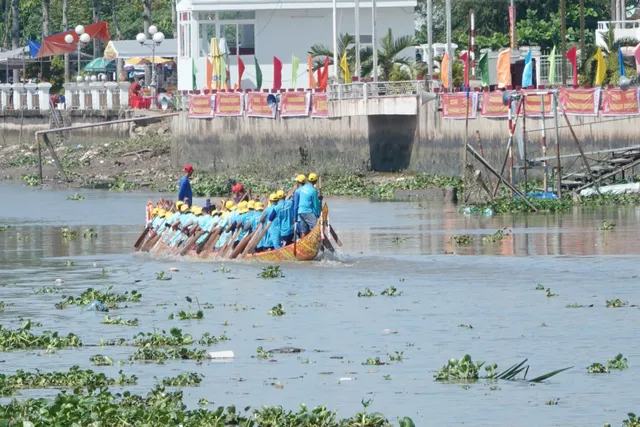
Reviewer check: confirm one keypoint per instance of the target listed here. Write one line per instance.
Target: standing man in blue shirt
(184, 192)
(308, 207)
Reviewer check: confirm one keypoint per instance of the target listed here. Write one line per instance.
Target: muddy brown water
(403, 244)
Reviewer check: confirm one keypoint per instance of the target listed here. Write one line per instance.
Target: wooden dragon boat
(304, 249)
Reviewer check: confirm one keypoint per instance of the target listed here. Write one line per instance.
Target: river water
(490, 286)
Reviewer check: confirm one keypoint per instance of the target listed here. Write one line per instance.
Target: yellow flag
(444, 70)
(601, 70)
(345, 68)
(503, 68)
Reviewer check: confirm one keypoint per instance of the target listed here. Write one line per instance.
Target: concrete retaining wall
(20, 126)
(422, 142)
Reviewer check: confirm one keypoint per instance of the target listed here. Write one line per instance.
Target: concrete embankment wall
(20, 126)
(420, 142)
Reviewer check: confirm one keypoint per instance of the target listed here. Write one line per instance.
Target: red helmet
(188, 168)
(237, 188)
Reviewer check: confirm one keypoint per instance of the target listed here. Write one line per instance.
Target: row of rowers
(300, 213)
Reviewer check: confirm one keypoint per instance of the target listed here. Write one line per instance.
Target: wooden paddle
(334, 235)
(222, 253)
(254, 236)
(241, 245)
(141, 238)
(192, 241)
(210, 242)
(251, 248)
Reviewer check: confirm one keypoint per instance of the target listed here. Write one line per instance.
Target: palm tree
(390, 63)
(610, 50)
(320, 52)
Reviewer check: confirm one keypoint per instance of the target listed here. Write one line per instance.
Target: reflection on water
(400, 244)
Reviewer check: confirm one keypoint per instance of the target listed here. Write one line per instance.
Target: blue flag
(527, 74)
(621, 61)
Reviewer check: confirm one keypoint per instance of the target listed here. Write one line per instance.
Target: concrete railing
(360, 90)
(625, 25)
(29, 96)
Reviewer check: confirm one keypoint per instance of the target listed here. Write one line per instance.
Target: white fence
(359, 90)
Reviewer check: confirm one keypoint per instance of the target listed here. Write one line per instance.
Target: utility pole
(374, 40)
(357, 11)
(448, 25)
(430, 38)
(563, 40)
(512, 22)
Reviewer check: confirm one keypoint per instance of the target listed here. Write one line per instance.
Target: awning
(132, 49)
(100, 65)
(56, 45)
(142, 61)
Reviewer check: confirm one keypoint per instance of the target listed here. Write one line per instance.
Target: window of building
(238, 28)
(184, 34)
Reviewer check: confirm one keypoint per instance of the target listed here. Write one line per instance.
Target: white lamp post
(83, 40)
(157, 37)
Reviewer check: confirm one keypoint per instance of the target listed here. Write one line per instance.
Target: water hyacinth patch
(68, 234)
(100, 360)
(23, 339)
(120, 409)
(75, 377)
(46, 290)
(161, 276)
(175, 338)
(149, 354)
(271, 272)
(90, 233)
(119, 321)
(262, 354)
(76, 196)
(185, 379)
(597, 368)
(616, 303)
(494, 238)
(550, 294)
(110, 299)
(187, 315)
(607, 226)
(277, 310)
(373, 362)
(464, 369)
(463, 240)
(391, 291)
(539, 287)
(366, 293)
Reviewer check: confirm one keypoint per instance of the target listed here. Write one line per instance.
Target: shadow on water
(399, 244)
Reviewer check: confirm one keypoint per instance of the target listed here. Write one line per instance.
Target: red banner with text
(319, 106)
(294, 104)
(229, 104)
(580, 102)
(616, 102)
(200, 106)
(533, 106)
(257, 105)
(492, 105)
(454, 105)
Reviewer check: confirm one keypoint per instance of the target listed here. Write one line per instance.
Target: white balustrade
(43, 92)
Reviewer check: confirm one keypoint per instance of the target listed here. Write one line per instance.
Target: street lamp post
(83, 40)
(157, 37)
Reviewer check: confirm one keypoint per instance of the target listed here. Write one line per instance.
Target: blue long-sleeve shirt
(185, 190)
(273, 235)
(296, 202)
(285, 214)
(309, 201)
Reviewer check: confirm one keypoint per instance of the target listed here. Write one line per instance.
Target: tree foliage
(538, 22)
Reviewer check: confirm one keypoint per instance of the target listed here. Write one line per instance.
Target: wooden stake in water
(544, 144)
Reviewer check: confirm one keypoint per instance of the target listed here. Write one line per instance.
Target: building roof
(237, 5)
(132, 49)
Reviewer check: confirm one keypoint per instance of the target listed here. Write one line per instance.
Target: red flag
(572, 56)
(325, 74)
(240, 72)
(277, 73)
(209, 73)
(465, 58)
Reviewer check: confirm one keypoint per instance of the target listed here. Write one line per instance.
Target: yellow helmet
(313, 177)
(273, 197)
(243, 207)
(154, 211)
(196, 210)
(183, 207)
(161, 212)
(280, 194)
(167, 214)
(259, 206)
(230, 205)
(251, 204)
(301, 178)
(178, 204)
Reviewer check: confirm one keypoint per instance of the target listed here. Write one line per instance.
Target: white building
(281, 28)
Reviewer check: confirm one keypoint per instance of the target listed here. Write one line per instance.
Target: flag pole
(430, 37)
(448, 28)
(357, 23)
(374, 40)
(335, 38)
